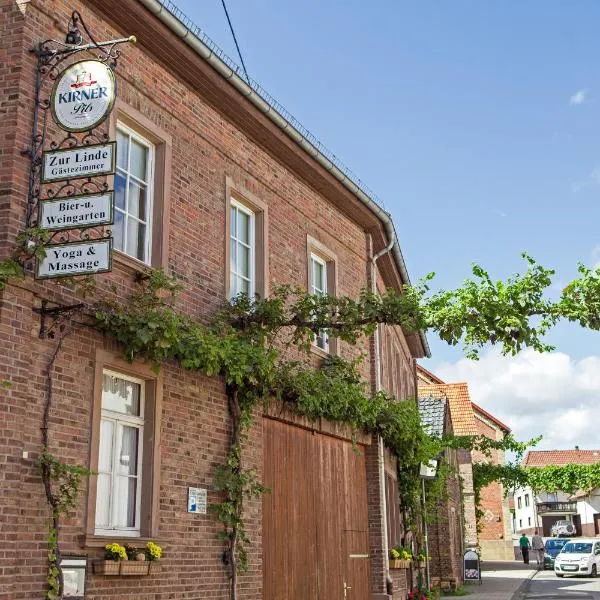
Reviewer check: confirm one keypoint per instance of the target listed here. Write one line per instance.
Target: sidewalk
(500, 580)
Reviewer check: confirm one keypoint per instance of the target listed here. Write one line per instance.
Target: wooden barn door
(315, 520)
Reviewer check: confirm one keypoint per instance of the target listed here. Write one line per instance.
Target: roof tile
(544, 458)
(461, 411)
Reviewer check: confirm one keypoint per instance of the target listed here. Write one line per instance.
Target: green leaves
(564, 478)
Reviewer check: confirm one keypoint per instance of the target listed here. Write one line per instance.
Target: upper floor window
(134, 177)
(119, 484)
(242, 250)
(519, 503)
(526, 499)
(318, 287)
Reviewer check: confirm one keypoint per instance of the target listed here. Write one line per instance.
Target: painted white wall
(588, 506)
(524, 515)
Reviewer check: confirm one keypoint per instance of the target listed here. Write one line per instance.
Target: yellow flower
(153, 551)
(115, 551)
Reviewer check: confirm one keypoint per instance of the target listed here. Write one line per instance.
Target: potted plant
(153, 554)
(128, 560)
(400, 557)
(422, 558)
(113, 555)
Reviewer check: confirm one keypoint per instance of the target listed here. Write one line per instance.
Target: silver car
(563, 528)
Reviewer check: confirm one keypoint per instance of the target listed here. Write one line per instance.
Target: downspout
(378, 386)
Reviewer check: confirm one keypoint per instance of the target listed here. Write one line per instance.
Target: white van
(578, 557)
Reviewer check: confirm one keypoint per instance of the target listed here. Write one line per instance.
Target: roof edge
(181, 30)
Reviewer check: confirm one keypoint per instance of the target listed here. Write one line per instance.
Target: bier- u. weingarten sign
(87, 210)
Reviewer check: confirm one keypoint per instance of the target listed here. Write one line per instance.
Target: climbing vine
(247, 345)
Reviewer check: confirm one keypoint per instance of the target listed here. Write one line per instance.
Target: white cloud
(592, 180)
(549, 394)
(578, 97)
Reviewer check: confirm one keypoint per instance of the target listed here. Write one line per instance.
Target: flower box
(124, 567)
(135, 567)
(400, 564)
(106, 567)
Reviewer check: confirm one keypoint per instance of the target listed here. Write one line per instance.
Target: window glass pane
(106, 446)
(120, 182)
(137, 200)
(243, 230)
(118, 230)
(243, 286)
(128, 457)
(103, 500)
(233, 256)
(233, 224)
(125, 501)
(136, 239)
(120, 395)
(244, 258)
(122, 149)
(138, 160)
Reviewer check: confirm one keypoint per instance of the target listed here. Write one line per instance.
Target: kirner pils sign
(83, 95)
(75, 258)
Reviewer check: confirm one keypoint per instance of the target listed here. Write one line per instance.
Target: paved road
(547, 586)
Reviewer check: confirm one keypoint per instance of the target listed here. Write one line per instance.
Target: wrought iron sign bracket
(49, 315)
(51, 56)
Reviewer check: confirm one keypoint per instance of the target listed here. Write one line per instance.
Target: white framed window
(134, 178)
(526, 499)
(242, 250)
(529, 521)
(119, 479)
(318, 287)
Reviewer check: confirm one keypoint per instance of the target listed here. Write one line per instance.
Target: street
(545, 585)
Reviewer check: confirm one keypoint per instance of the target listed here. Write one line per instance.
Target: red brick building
(493, 532)
(212, 172)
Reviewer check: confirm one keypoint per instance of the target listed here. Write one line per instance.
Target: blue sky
(478, 126)
(462, 116)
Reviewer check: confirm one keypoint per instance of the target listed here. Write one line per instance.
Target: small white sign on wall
(197, 501)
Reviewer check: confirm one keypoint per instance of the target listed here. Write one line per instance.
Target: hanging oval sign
(83, 95)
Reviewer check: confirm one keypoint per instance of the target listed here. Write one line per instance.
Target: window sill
(320, 352)
(99, 541)
(131, 264)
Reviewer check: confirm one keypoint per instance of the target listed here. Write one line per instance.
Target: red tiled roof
(544, 458)
(491, 417)
(461, 411)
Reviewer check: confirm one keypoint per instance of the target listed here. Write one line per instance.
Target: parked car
(551, 548)
(578, 557)
(563, 528)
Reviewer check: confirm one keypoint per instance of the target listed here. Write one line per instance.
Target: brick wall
(206, 149)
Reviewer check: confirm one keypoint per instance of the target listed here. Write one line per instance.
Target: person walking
(524, 545)
(537, 545)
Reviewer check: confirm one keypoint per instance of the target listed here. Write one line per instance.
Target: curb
(522, 590)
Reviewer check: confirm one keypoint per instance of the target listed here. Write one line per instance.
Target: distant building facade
(542, 509)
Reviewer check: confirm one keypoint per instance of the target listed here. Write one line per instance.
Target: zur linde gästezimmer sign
(83, 95)
(88, 210)
(75, 258)
(81, 162)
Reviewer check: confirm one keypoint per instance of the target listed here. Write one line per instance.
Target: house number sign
(83, 95)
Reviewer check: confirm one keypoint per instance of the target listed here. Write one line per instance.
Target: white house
(545, 508)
